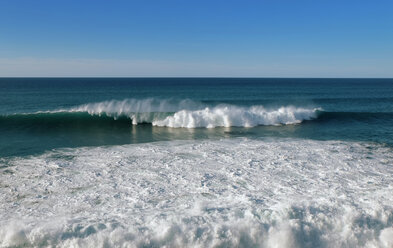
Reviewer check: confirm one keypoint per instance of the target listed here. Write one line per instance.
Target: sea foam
(190, 114)
(230, 192)
(229, 116)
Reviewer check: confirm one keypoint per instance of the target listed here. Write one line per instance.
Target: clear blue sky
(272, 38)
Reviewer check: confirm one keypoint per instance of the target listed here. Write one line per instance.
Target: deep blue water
(39, 114)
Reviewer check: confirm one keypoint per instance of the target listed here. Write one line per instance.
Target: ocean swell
(190, 114)
(185, 114)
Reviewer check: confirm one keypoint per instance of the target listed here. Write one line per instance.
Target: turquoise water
(344, 109)
(196, 162)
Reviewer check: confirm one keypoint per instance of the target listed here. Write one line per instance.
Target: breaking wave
(182, 114)
(189, 114)
(228, 116)
(178, 114)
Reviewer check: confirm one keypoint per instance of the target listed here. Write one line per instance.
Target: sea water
(207, 162)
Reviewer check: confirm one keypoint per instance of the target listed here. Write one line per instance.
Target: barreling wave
(170, 113)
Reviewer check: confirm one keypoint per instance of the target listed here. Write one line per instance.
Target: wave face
(190, 114)
(223, 193)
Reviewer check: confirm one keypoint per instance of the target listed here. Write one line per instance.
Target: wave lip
(190, 114)
(228, 116)
(138, 110)
(176, 114)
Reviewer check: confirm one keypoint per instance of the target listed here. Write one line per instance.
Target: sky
(196, 38)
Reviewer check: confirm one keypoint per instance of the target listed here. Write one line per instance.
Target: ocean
(196, 162)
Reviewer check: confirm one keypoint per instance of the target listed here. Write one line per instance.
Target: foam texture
(215, 193)
(191, 114)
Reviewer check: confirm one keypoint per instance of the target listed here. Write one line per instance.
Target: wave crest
(228, 116)
(139, 110)
(191, 114)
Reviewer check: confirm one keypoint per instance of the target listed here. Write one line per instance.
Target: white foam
(386, 237)
(234, 192)
(190, 114)
(229, 116)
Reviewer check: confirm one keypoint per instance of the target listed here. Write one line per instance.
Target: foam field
(212, 193)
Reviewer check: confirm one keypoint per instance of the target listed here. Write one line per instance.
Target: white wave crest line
(227, 116)
(191, 114)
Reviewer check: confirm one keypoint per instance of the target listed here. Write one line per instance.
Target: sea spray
(191, 114)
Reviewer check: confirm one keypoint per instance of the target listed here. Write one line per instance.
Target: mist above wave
(191, 114)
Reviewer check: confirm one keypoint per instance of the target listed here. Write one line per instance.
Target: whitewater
(209, 193)
(196, 162)
(190, 114)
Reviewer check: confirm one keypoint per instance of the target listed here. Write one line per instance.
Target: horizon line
(192, 77)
